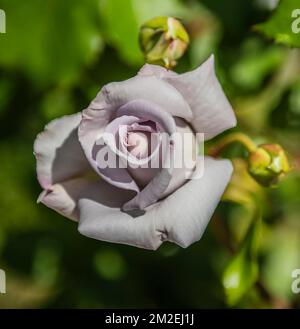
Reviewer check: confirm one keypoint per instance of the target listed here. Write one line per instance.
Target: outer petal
(102, 219)
(181, 218)
(184, 215)
(212, 113)
(156, 70)
(63, 197)
(58, 152)
(149, 88)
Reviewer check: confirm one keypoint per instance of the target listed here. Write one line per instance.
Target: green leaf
(242, 271)
(50, 41)
(284, 24)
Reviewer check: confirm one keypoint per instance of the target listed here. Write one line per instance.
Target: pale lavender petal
(63, 197)
(149, 88)
(156, 187)
(58, 152)
(140, 168)
(184, 215)
(156, 70)
(148, 110)
(113, 129)
(91, 130)
(181, 218)
(212, 113)
(186, 154)
(102, 219)
(151, 193)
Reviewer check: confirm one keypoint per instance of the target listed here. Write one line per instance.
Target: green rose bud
(163, 41)
(267, 164)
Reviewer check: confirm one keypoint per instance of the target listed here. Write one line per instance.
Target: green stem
(232, 138)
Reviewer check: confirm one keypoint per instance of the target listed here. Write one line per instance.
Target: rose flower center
(139, 144)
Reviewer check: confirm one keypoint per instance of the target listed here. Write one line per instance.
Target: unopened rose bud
(163, 41)
(267, 164)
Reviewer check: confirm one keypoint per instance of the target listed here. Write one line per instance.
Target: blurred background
(54, 58)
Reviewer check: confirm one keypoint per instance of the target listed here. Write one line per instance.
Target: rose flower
(107, 184)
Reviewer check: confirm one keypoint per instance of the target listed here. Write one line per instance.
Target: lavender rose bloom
(136, 205)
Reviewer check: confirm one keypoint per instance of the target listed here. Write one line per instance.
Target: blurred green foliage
(54, 58)
(284, 24)
(242, 271)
